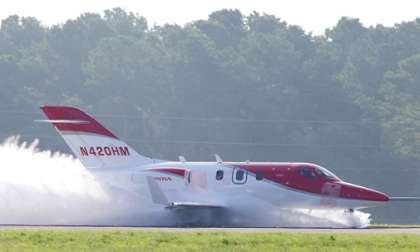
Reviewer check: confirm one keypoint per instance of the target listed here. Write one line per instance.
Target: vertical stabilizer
(93, 144)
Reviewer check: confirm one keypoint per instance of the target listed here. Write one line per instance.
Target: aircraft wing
(190, 205)
(159, 197)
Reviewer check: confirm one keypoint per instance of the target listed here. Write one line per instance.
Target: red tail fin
(92, 143)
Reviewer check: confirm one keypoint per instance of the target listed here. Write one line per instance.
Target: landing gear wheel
(350, 211)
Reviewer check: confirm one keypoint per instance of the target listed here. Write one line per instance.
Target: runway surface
(374, 230)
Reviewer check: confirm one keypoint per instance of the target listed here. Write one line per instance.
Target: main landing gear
(350, 211)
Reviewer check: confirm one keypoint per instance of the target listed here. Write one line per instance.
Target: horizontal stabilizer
(63, 121)
(404, 198)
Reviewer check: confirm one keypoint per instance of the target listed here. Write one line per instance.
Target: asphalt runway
(374, 230)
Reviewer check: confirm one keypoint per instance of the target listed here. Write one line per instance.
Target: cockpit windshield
(326, 173)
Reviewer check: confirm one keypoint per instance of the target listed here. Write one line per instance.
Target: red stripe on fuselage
(287, 174)
(171, 170)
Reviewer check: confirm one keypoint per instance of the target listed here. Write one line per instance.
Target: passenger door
(239, 176)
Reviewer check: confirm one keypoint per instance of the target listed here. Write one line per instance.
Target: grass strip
(74, 240)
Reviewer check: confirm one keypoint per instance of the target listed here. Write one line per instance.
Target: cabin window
(259, 175)
(219, 175)
(307, 172)
(325, 173)
(239, 175)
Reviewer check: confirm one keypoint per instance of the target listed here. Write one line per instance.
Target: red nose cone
(351, 191)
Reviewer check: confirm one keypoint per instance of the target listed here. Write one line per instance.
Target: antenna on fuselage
(218, 159)
(182, 159)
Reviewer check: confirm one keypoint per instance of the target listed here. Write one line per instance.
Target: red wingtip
(72, 113)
